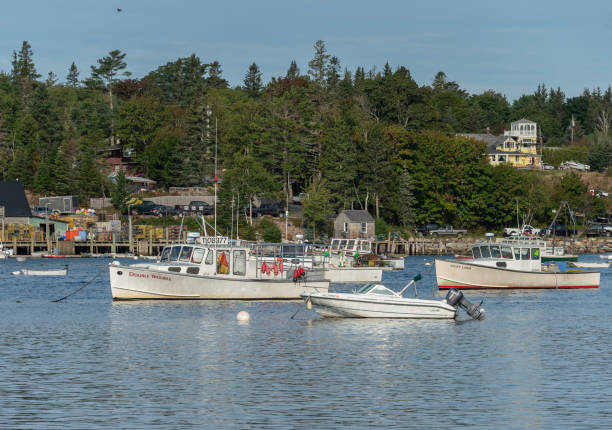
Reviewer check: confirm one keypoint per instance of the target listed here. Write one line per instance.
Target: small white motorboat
(49, 272)
(587, 265)
(377, 301)
(605, 256)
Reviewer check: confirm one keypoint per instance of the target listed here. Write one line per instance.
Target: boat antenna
(412, 282)
(181, 228)
(216, 178)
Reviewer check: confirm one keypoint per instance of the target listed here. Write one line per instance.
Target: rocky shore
(452, 246)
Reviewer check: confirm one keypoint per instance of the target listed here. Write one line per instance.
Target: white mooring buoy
(243, 316)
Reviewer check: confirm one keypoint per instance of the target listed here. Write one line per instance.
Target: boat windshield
(486, 253)
(375, 289)
(165, 254)
(365, 246)
(506, 252)
(350, 245)
(174, 254)
(495, 251)
(476, 252)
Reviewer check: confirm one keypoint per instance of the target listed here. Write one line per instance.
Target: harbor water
(541, 359)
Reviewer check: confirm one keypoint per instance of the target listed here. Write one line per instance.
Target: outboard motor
(454, 297)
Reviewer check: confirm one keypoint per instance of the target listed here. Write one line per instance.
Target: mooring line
(80, 288)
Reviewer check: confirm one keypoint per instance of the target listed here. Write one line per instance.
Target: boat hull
(547, 258)
(141, 283)
(353, 275)
(462, 275)
(349, 306)
(59, 272)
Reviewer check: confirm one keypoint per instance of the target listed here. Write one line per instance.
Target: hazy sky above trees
(506, 46)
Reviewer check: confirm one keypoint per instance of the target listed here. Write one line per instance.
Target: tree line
(363, 139)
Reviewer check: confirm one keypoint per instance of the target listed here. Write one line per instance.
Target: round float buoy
(243, 316)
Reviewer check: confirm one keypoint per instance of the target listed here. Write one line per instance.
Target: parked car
(425, 229)
(144, 208)
(547, 166)
(43, 211)
(558, 230)
(599, 230)
(201, 208)
(575, 165)
(271, 208)
(162, 210)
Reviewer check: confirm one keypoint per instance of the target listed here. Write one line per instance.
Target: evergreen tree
(293, 71)
(72, 78)
(252, 81)
(316, 207)
(108, 70)
(318, 65)
(62, 171)
(406, 200)
(51, 79)
(214, 79)
(119, 193)
(24, 73)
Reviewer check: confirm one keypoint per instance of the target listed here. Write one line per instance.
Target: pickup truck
(199, 208)
(425, 229)
(526, 229)
(447, 230)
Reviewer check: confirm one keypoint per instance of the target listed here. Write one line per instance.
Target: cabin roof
(358, 216)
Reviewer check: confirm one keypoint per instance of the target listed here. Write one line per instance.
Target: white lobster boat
(194, 271)
(509, 264)
(337, 270)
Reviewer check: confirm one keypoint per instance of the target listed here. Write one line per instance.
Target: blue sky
(508, 46)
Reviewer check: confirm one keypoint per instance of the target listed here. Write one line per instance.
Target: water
(540, 360)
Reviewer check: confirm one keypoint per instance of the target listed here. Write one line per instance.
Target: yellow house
(518, 146)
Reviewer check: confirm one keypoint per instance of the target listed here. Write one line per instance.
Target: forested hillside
(372, 139)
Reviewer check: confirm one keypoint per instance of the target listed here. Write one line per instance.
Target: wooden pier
(63, 247)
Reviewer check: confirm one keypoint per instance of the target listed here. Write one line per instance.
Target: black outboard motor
(454, 297)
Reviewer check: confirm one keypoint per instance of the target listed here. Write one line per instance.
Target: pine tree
(119, 193)
(214, 79)
(24, 73)
(72, 78)
(333, 72)
(51, 79)
(293, 71)
(318, 65)
(406, 200)
(62, 171)
(109, 68)
(252, 81)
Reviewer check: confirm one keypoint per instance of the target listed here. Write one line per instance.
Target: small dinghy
(377, 301)
(49, 272)
(586, 265)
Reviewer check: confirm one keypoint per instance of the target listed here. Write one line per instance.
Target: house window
(492, 157)
(364, 227)
(345, 227)
(516, 158)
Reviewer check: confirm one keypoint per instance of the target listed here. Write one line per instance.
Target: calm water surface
(540, 360)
